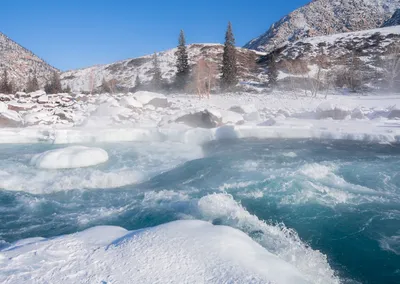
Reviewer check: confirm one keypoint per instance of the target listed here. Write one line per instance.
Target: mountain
(125, 72)
(21, 63)
(366, 60)
(394, 20)
(325, 17)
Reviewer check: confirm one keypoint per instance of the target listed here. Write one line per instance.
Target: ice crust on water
(178, 252)
(70, 157)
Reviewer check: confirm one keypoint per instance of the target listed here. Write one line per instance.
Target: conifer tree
(157, 78)
(6, 87)
(138, 84)
(182, 63)
(54, 86)
(272, 72)
(32, 84)
(229, 65)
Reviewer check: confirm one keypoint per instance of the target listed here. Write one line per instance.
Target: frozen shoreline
(145, 116)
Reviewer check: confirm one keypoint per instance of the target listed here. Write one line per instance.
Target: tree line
(199, 78)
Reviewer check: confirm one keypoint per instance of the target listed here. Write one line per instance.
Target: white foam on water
(42, 181)
(236, 185)
(391, 244)
(177, 252)
(283, 242)
(325, 187)
(290, 154)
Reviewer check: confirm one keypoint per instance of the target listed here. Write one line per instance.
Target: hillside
(394, 20)
(21, 63)
(125, 72)
(325, 17)
(366, 58)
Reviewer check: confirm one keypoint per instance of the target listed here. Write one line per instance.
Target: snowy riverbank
(143, 116)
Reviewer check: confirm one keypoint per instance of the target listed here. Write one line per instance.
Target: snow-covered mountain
(325, 17)
(394, 20)
(369, 53)
(21, 63)
(125, 72)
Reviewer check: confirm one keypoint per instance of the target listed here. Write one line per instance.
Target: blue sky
(78, 33)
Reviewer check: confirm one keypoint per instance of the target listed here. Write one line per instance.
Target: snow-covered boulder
(10, 118)
(150, 107)
(43, 99)
(328, 110)
(244, 109)
(21, 95)
(3, 107)
(394, 113)
(150, 98)
(20, 106)
(357, 113)
(131, 102)
(269, 122)
(253, 116)
(201, 119)
(230, 117)
(37, 94)
(70, 157)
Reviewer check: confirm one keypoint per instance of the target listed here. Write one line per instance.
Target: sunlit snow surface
(319, 210)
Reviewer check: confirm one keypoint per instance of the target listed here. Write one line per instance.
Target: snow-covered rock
(43, 99)
(230, 117)
(253, 116)
(357, 113)
(201, 119)
(394, 113)
(37, 94)
(244, 109)
(187, 251)
(328, 110)
(21, 106)
(3, 107)
(269, 122)
(10, 118)
(154, 99)
(131, 102)
(70, 157)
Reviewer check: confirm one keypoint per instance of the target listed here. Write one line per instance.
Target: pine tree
(272, 72)
(157, 78)
(182, 63)
(138, 84)
(54, 86)
(32, 84)
(104, 87)
(6, 87)
(229, 68)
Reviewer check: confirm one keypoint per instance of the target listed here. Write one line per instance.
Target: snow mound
(155, 99)
(70, 157)
(188, 251)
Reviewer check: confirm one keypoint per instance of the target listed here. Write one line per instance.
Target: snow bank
(70, 157)
(177, 252)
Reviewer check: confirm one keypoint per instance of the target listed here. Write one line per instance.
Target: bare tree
(315, 82)
(392, 66)
(204, 77)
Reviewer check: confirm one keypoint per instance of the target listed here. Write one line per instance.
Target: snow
(70, 157)
(145, 97)
(188, 251)
(119, 117)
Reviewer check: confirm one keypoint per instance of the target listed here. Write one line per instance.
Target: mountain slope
(325, 17)
(21, 63)
(394, 20)
(367, 56)
(125, 72)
